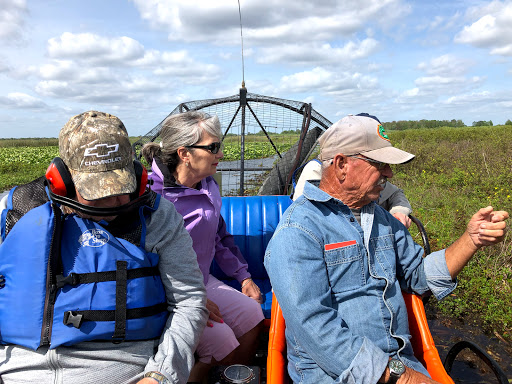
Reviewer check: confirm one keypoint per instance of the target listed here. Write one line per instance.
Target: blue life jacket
(69, 280)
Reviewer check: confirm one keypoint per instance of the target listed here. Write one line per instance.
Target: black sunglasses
(213, 147)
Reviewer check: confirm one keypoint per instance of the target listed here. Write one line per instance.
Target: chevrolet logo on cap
(101, 150)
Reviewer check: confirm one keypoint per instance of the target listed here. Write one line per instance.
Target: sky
(139, 59)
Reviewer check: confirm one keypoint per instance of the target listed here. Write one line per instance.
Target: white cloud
(180, 64)
(22, 101)
(412, 92)
(94, 48)
(67, 70)
(287, 22)
(432, 87)
(125, 89)
(143, 85)
(4, 67)
(470, 98)
(505, 50)
(493, 29)
(12, 19)
(88, 68)
(319, 53)
(55, 88)
(447, 65)
(321, 80)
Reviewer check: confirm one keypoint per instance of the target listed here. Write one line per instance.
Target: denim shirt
(339, 285)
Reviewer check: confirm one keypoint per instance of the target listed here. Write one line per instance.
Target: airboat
(256, 192)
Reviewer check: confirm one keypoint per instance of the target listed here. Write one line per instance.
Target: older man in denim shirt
(338, 262)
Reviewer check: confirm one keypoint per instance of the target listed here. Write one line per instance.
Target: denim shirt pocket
(385, 255)
(344, 268)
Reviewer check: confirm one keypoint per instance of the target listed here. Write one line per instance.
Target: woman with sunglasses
(183, 164)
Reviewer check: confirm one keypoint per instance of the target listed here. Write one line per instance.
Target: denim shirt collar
(314, 193)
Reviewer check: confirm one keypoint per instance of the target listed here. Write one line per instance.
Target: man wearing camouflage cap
(98, 278)
(340, 288)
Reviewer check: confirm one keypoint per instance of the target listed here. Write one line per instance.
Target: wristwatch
(396, 369)
(161, 379)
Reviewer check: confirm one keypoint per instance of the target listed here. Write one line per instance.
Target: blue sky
(138, 59)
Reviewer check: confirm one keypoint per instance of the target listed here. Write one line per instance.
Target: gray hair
(181, 130)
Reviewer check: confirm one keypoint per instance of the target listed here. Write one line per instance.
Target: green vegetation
(42, 142)
(420, 124)
(19, 165)
(456, 172)
(23, 160)
(258, 146)
(482, 123)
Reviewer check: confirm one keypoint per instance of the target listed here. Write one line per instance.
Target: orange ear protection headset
(61, 182)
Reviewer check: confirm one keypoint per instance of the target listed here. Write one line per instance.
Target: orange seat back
(422, 343)
(277, 360)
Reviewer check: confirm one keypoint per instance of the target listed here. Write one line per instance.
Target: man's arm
(393, 200)
(230, 259)
(186, 296)
(486, 227)
(228, 255)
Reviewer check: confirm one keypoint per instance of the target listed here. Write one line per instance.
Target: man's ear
(339, 162)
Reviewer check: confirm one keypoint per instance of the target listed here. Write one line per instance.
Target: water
(468, 368)
(230, 182)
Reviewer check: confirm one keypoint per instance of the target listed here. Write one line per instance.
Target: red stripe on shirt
(329, 247)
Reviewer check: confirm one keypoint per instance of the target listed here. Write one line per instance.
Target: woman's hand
(214, 313)
(250, 289)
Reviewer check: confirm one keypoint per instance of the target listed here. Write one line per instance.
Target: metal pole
(243, 103)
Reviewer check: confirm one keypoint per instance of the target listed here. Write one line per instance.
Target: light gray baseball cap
(96, 148)
(360, 135)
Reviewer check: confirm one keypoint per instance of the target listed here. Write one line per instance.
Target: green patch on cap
(382, 133)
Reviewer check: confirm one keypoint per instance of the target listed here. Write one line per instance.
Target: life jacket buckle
(71, 279)
(73, 318)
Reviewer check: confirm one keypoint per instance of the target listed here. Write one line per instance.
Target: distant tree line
(416, 124)
(402, 125)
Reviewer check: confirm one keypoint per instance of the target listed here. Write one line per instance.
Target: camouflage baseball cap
(95, 147)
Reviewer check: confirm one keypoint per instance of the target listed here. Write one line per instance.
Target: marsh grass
(41, 142)
(456, 172)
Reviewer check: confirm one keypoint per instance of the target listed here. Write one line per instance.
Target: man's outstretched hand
(487, 227)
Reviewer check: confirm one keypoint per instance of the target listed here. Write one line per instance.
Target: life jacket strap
(76, 318)
(75, 279)
(120, 312)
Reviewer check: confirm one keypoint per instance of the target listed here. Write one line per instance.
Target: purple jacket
(200, 209)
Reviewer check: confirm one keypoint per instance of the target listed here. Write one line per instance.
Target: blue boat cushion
(252, 221)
